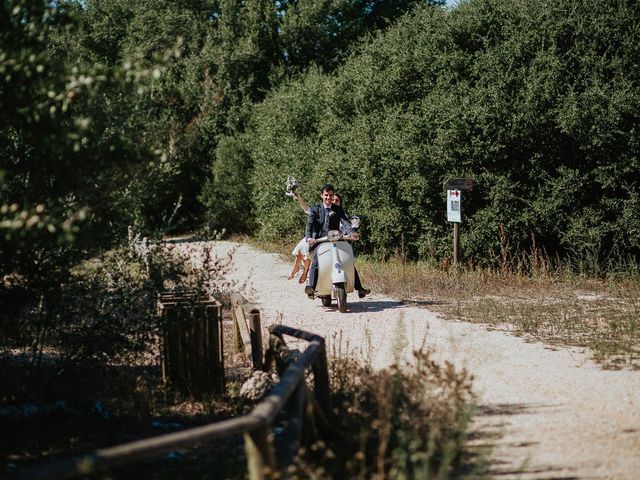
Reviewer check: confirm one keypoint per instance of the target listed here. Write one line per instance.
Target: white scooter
(336, 274)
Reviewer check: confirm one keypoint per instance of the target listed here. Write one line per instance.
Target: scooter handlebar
(334, 238)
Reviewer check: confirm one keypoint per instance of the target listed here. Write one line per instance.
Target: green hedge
(536, 100)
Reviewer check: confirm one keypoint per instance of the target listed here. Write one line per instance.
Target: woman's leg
(296, 266)
(307, 263)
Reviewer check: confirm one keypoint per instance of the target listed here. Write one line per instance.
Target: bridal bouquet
(290, 186)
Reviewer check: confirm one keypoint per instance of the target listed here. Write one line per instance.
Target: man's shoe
(363, 292)
(309, 291)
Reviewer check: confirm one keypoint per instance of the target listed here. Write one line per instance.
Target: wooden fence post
(214, 352)
(321, 382)
(237, 337)
(261, 460)
(255, 332)
(247, 331)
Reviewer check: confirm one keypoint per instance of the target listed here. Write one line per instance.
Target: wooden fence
(307, 412)
(192, 350)
(247, 332)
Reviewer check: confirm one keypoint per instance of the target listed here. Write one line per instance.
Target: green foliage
(286, 136)
(322, 32)
(256, 46)
(227, 196)
(71, 172)
(117, 113)
(536, 101)
(101, 313)
(172, 35)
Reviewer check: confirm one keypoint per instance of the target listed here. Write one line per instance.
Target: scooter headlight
(334, 235)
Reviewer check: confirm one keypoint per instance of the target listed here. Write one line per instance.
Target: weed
(408, 421)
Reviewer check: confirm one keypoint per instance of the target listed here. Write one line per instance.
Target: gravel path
(550, 413)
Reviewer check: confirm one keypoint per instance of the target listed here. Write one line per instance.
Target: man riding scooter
(323, 217)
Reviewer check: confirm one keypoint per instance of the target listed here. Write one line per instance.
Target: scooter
(336, 274)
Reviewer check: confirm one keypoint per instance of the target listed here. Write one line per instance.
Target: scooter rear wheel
(342, 297)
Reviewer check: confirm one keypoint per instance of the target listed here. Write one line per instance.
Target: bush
(101, 314)
(402, 422)
(227, 195)
(536, 101)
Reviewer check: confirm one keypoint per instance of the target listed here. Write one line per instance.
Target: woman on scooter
(301, 253)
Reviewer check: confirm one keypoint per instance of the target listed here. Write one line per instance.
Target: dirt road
(550, 413)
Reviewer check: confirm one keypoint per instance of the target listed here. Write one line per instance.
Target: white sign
(454, 202)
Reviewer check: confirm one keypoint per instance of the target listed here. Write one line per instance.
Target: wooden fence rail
(289, 394)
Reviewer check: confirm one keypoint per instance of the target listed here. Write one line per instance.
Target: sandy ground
(548, 413)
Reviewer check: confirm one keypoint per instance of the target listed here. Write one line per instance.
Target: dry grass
(135, 406)
(398, 423)
(107, 389)
(407, 421)
(548, 304)
(573, 304)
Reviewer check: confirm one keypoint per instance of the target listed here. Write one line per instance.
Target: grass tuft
(407, 421)
(529, 296)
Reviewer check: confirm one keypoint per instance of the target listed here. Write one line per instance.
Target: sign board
(458, 184)
(454, 202)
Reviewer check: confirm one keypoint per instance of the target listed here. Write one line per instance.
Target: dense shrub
(536, 101)
(102, 314)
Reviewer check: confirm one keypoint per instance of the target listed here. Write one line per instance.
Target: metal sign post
(454, 187)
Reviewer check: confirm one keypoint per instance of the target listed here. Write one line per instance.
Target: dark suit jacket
(319, 224)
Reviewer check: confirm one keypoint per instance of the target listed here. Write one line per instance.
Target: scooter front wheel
(342, 297)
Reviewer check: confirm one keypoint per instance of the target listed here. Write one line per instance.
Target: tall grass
(408, 421)
(583, 300)
(572, 302)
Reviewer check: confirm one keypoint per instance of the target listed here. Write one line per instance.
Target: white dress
(302, 247)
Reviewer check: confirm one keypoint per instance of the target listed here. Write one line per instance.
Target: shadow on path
(370, 306)
(485, 438)
(365, 305)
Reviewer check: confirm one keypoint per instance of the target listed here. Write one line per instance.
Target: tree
(537, 101)
(322, 32)
(67, 151)
(254, 50)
